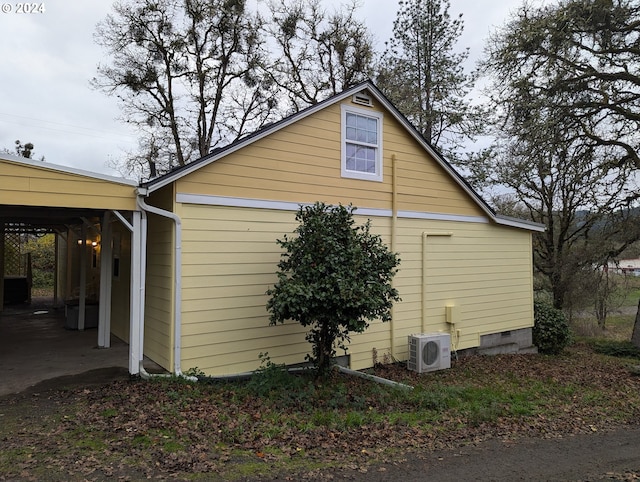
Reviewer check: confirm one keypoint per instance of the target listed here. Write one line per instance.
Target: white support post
(56, 273)
(106, 270)
(135, 330)
(83, 279)
(69, 262)
(1, 267)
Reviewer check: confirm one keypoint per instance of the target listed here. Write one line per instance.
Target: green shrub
(620, 349)
(273, 377)
(550, 330)
(43, 260)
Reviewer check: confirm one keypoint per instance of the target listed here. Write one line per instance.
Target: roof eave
(520, 223)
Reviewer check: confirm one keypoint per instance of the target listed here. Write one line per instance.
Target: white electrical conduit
(394, 236)
(374, 378)
(347, 371)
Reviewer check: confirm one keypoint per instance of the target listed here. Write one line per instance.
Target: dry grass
(618, 327)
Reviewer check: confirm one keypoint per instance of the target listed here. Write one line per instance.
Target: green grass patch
(109, 413)
(631, 296)
(142, 440)
(91, 443)
(10, 458)
(244, 465)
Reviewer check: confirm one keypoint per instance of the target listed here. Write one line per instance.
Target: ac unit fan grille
(430, 352)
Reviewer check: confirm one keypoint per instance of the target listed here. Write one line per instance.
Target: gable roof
(368, 85)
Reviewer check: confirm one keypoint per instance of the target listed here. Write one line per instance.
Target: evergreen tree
(424, 76)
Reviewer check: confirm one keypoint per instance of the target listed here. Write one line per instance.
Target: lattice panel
(14, 259)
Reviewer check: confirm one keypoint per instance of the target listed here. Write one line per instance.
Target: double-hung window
(361, 143)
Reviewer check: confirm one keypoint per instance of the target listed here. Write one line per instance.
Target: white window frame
(374, 176)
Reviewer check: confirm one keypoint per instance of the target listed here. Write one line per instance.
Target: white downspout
(143, 285)
(178, 278)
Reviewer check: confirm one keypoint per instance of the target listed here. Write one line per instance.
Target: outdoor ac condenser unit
(429, 352)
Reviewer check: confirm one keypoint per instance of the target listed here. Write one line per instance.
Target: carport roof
(25, 184)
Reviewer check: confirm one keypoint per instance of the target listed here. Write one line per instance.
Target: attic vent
(362, 99)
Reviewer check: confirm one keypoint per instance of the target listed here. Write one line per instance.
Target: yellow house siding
(230, 259)
(34, 186)
(422, 184)
(483, 269)
(160, 282)
(235, 205)
(301, 163)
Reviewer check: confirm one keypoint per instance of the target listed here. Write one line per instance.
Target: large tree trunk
(635, 337)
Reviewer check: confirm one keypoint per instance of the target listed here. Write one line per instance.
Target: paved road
(612, 455)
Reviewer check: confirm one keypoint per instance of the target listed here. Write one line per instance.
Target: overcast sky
(49, 58)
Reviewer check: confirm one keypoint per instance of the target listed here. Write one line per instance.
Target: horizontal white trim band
(442, 217)
(236, 202)
(207, 200)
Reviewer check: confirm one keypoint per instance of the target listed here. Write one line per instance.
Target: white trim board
(207, 200)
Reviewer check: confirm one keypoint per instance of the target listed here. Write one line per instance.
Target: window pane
(371, 154)
(362, 129)
(361, 158)
(351, 157)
